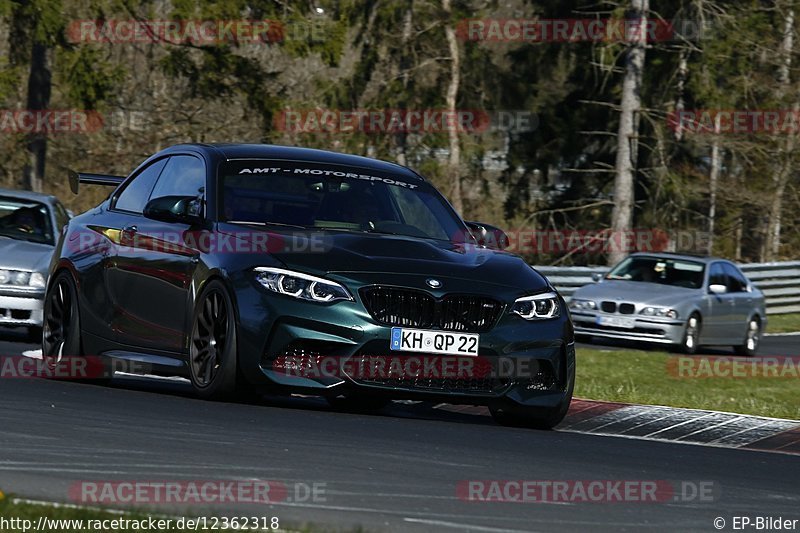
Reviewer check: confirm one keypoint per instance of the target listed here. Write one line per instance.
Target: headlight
(19, 278)
(659, 311)
(301, 285)
(582, 305)
(15, 277)
(537, 307)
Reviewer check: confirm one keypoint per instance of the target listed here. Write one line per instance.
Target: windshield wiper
(359, 230)
(340, 228)
(254, 223)
(383, 232)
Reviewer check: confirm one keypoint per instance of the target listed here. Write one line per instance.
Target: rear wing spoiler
(76, 178)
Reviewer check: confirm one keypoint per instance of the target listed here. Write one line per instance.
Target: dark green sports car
(265, 268)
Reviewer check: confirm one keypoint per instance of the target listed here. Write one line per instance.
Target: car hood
(635, 291)
(24, 255)
(350, 254)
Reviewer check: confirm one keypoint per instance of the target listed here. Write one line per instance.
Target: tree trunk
(713, 179)
(39, 86)
(738, 232)
(454, 162)
(782, 170)
(405, 66)
(622, 215)
(683, 72)
(780, 179)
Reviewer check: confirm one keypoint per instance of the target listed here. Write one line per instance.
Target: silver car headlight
(582, 305)
(299, 285)
(537, 307)
(37, 280)
(14, 277)
(665, 312)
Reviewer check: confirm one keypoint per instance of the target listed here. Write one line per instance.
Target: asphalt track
(395, 471)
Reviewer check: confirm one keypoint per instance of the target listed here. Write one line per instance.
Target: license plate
(616, 321)
(437, 342)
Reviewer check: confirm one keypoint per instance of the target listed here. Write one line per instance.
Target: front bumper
(21, 308)
(537, 358)
(646, 329)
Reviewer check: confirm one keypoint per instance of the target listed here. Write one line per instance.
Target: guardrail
(780, 282)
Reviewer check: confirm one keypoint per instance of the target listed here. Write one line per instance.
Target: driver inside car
(25, 220)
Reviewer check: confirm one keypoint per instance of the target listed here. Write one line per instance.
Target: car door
(717, 323)
(154, 266)
(741, 301)
(98, 245)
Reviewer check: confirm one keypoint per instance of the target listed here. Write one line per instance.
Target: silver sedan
(672, 299)
(30, 223)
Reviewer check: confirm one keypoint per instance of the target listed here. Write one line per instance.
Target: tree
(451, 99)
(630, 106)
(785, 152)
(37, 41)
(36, 26)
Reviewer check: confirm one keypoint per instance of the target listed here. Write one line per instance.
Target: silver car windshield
(25, 220)
(664, 271)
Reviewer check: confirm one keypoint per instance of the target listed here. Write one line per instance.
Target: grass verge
(19, 517)
(783, 323)
(647, 377)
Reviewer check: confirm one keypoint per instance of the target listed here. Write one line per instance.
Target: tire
(213, 346)
(752, 338)
(691, 335)
(357, 403)
(61, 335)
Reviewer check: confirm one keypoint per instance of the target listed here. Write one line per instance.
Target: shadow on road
(398, 409)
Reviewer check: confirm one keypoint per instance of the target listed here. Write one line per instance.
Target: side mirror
(597, 277)
(488, 236)
(717, 289)
(181, 209)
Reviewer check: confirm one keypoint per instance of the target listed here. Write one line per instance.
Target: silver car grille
(624, 308)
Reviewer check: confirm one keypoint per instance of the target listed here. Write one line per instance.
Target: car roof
(687, 257)
(28, 195)
(232, 151)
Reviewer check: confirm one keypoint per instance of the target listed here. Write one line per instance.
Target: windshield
(333, 197)
(25, 220)
(664, 271)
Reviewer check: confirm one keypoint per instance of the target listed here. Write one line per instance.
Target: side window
(135, 195)
(736, 282)
(716, 276)
(185, 175)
